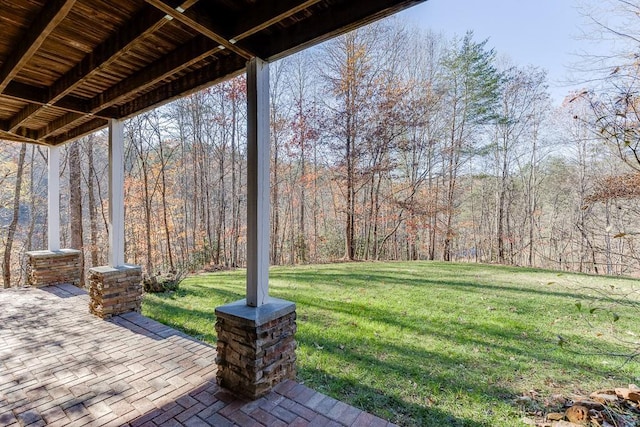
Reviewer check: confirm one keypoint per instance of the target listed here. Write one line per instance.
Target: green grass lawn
(433, 344)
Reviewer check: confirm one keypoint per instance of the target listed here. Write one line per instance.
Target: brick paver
(61, 366)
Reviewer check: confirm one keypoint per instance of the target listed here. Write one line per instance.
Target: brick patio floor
(61, 366)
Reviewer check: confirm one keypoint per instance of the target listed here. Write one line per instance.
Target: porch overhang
(68, 66)
(71, 67)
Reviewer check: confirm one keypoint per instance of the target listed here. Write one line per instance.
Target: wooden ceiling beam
(266, 13)
(341, 17)
(269, 29)
(7, 136)
(77, 132)
(35, 98)
(147, 21)
(180, 58)
(33, 95)
(70, 119)
(25, 93)
(59, 124)
(200, 22)
(26, 135)
(47, 20)
(215, 72)
(72, 104)
(22, 116)
(224, 68)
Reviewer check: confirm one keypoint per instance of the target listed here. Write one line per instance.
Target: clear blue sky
(545, 33)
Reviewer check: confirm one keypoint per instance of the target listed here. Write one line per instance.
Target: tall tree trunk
(502, 194)
(222, 206)
(275, 196)
(147, 214)
(235, 189)
(315, 203)
(75, 204)
(433, 215)
(302, 238)
(93, 213)
(448, 236)
(532, 200)
(292, 230)
(350, 221)
(607, 238)
(165, 208)
(452, 174)
(11, 231)
(195, 149)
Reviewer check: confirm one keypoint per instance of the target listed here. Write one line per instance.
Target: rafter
(77, 132)
(25, 93)
(36, 97)
(201, 23)
(47, 20)
(182, 57)
(21, 136)
(70, 104)
(22, 116)
(226, 34)
(147, 21)
(6, 136)
(266, 13)
(213, 73)
(220, 70)
(322, 25)
(59, 124)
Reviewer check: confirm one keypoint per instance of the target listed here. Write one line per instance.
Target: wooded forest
(388, 143)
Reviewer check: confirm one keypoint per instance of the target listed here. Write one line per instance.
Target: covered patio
(61, 366)
(72, 67)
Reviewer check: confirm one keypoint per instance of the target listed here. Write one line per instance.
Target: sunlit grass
(431, 344)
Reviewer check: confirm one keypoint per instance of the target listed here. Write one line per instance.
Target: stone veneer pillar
(45, 268)
(115, 290)
(256, 346)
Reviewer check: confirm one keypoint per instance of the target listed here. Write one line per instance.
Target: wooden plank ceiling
(67, 66)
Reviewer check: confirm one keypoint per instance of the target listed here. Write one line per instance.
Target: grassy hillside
(427, 343)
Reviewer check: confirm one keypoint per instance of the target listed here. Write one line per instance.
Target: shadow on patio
(62, 366)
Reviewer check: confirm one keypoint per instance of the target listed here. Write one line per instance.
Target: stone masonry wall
(253, 358)
(115, 290)
(46, 268)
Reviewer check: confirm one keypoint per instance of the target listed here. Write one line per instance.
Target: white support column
(258, 159)
(116, 193)
(53, 199)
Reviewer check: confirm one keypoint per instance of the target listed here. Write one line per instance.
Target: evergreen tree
(472, 96)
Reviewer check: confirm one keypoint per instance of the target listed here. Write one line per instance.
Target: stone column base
(115, 290)
(45, 268)
(256, 346)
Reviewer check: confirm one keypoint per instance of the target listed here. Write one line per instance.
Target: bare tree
(75, 203)
(523, 95)
(13, 225)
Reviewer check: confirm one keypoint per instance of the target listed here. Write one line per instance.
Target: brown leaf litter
(618, 407)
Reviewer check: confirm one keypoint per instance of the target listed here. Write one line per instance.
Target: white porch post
(248, 364)
(53, 199)
(116, 288)
(53, 266)
(116, 193)
(257, 182)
